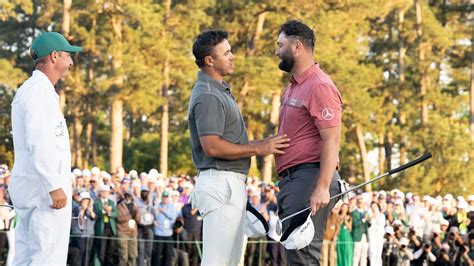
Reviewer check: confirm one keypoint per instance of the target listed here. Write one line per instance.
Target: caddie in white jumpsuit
(41, 185)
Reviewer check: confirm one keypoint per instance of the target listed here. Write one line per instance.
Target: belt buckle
(286, 172)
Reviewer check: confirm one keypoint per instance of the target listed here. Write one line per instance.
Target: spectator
(127, 219)
(345, 244)
(360, 233)
(390, 248)
(165, 216)
(184, 197)
(193, 226)
(255, 248)
(329, 256)
(82, 227)
(7, 216)
(376, 219)
(105, 226)
(405, 255)
(145, 227)
(423, 256)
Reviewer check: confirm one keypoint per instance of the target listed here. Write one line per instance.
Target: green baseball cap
(48, 42)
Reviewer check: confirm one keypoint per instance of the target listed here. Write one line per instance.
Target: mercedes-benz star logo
(327, 114)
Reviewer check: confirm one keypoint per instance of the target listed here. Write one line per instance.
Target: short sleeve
(325, 106)
(209, 115)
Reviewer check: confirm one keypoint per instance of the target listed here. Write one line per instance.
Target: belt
(291, 170)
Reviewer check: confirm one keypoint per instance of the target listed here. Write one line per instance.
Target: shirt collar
(44, 79)
(206, 78)
(306, 74)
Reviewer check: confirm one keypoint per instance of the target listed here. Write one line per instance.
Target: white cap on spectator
(85, 195)
(409, 195)
(470, 198)
(389, 230)
(77, 172)
(86, 172)
(444, 222)
(187, 185)
(104, 188)
(448, 197)
(446, 247)
(95, 170)
(398, 202)
(404, 241)
(462, 205)
(460, 198)
(397, 222)
(133, 174)
(153, 173)
(174, 193)
(104, 175)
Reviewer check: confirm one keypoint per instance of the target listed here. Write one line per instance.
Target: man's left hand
(319, 199)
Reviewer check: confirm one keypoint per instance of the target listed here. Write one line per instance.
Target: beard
(287, 61)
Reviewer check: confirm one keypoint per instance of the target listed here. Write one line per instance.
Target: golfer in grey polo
(221, 151)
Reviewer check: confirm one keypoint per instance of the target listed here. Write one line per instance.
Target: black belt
(298, 167)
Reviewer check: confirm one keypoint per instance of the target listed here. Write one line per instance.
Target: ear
(54, 56)
(208, 60)
(297, 47)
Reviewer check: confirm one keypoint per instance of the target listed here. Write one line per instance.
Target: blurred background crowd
(143, 218)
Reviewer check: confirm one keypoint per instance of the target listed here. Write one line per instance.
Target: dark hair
(299, 30)
(205, 43)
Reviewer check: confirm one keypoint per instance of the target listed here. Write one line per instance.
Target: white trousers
(360, 252)
(221, 198)
(42, 235)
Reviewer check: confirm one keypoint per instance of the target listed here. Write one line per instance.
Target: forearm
(223, 149)
(328, 163)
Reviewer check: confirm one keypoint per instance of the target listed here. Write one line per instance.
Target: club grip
(410, 164)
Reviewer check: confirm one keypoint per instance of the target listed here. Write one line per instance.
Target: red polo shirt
(311, 102)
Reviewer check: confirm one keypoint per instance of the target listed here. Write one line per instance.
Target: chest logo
(327, 114)
(59, 131)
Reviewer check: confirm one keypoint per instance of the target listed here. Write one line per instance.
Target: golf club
(391, 172)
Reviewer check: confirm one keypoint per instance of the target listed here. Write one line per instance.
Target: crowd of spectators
(147, 219)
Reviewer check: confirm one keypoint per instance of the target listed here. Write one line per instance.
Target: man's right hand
(272, 145)
(59, 198)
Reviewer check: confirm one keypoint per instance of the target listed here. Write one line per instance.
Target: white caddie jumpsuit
(42, 164)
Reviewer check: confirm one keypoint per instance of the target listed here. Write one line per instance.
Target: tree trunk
(381, 154)
(471, 95)
(363, 155)
(116, 134)
(165, 121)
(401, 80)
(388, 149)
(116, 115)
(77, 146)
(421, 64)
(88, 147)
(401, 48)
(251, 50)
(65, 28)
(267, 168)
(94, 144)
(164, 93)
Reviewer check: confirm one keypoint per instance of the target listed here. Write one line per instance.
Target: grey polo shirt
(214, 111)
